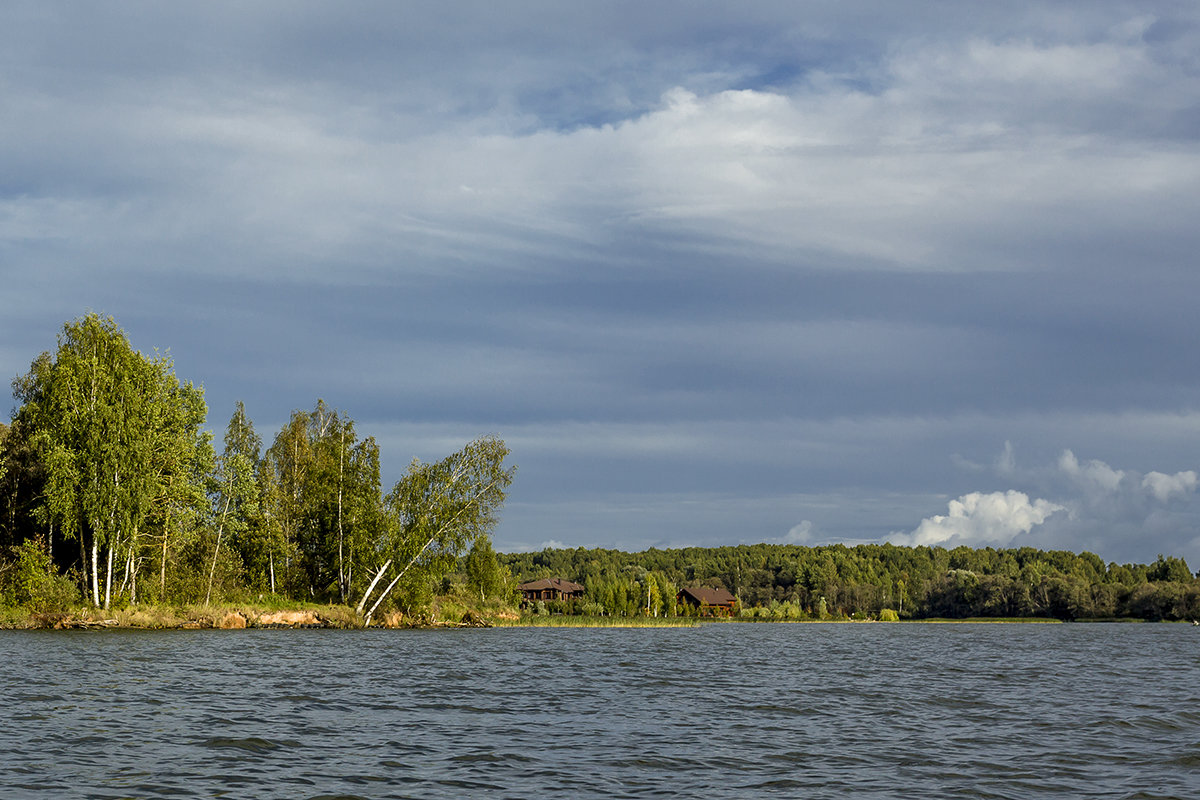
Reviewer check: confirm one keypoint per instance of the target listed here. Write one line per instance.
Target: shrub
(33, 581)
(888, 615)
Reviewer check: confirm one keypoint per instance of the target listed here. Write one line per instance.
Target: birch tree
(323, 493)
(434, 513)
(285, 472)
(236, 501)
(114, 430)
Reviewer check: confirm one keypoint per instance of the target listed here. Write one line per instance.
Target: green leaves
(436, 510)
(321, 491)
(108, 450)
(484, 573)
(117, 434)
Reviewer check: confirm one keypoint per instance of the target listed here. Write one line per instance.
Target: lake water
(804, 711)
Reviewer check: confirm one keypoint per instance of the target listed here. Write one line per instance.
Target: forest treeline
(872, 581)
(112, 491)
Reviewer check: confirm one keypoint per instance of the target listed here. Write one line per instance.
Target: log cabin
(709, 602)
(551, 589)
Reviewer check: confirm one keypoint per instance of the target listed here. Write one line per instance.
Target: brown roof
(560, 584)
(709, 596)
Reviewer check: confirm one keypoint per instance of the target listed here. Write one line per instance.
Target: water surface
(805, 711)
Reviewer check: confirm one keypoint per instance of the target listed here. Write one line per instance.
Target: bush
(32, 580)
(888, 615)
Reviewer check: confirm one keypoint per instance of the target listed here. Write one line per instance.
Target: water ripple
(775, 711)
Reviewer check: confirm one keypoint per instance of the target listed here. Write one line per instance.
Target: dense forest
(112, 492)
(872, 581)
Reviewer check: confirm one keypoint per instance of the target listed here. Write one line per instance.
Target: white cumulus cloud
(1121, 514)
(1166, 487)
(979, 519)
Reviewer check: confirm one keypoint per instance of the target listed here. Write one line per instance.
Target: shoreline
(225, 617)
(343, 618)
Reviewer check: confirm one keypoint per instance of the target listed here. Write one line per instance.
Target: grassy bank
(268, 611)
(442, 612)
(183, 617)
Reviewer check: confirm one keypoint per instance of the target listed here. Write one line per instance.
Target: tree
(22, 486)
(435, 510)
(322, 502)
(236, 497)
(117, 436)
(484, 573)
(1169, 569)
(286, 468)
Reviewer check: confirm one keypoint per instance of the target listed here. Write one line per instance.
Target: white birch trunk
(108, 581)
(400, 575)
(341, 472)
(162, 589)
(216, 551)
(95, 572)
(413, 560)
(362, 603)
(127, 572)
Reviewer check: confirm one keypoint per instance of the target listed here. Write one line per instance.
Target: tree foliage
(118, 439)
(788, 582)
(483, 570)
(435, 511)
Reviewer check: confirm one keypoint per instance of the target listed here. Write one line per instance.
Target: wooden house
(707, 601)
(551, 589)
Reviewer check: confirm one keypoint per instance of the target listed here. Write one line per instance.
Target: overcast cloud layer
(718, 273)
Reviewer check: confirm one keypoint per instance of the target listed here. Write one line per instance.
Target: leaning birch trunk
(362, 603)
(413, 560)
(395, 580)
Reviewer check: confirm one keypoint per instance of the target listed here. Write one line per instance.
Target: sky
(718, 273)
